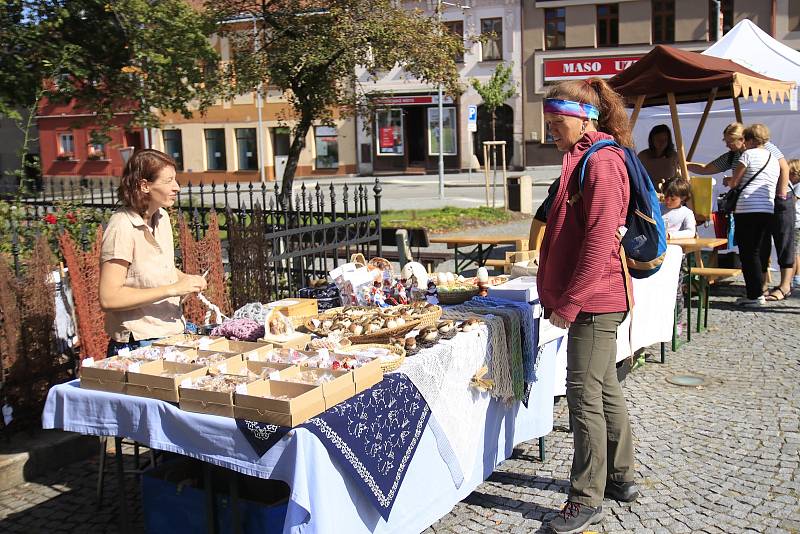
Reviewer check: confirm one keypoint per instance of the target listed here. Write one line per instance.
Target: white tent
(751, 47)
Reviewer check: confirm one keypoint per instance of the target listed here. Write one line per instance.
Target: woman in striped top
(756, 174)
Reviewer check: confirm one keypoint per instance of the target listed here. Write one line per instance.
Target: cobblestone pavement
(719, 458)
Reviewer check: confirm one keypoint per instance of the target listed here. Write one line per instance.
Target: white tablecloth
(323, 498)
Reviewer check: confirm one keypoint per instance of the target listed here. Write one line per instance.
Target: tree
(146, 57)
(311, 51)
(499, 88)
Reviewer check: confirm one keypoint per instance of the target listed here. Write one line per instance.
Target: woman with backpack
(583, 287)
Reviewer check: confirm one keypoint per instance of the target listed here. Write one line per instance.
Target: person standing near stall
(140, 287)
(582, 286)
(660, 157)
(780, 226)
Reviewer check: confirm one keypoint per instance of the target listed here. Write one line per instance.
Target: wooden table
(693, 245)
(483, 245)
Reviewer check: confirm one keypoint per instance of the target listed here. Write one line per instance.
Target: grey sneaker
(622, 491)
(575, 517)
(752, 303)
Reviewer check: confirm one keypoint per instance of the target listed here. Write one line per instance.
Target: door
(280, 150)
(415, 135)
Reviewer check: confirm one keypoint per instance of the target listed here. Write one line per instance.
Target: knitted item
(499, 356)
(529, 349)
(240, 330)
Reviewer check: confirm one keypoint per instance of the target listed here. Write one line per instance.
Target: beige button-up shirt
(152, 264)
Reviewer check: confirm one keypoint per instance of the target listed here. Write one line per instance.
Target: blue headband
(571, 109)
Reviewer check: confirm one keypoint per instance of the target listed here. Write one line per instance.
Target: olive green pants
(601, 429)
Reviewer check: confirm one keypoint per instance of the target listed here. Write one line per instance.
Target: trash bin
(519, 194)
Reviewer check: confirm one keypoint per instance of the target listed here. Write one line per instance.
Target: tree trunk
(298, 143)
(494, 132)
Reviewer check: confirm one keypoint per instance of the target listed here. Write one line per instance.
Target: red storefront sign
(578, 68)
(387, 137)
(411, 100)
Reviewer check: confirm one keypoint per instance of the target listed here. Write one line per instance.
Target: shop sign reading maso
(577, 68)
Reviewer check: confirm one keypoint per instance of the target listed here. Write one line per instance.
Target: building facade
(224, 143)
(401, 136)
(66, 147)
(577, 39)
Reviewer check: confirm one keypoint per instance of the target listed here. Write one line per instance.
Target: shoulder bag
(726, 203)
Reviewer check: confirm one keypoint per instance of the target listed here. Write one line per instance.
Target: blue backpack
(645, 241)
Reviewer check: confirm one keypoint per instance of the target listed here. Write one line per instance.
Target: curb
(26, 456)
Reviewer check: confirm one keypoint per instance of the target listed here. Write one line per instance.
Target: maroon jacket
(579, 262)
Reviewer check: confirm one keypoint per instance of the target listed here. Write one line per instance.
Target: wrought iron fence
(271, 247)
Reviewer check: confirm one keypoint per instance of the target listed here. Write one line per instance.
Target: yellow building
(224, 144)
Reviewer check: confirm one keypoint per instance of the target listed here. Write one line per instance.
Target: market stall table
(483, 245)
(324, 498)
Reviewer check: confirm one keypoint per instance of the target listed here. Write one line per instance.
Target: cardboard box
(111, 380)
(193, 341)
(305, 402)
(232, 359)
(295, 307)
(257, 367)
(147, 382)
(335, 391)
(209, 402)
(522, 289)
(250, 350)
(296, 340)
(367, 375)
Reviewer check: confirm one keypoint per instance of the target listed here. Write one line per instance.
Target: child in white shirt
(678, 219)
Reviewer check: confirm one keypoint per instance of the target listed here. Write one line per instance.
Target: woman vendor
(140, 287)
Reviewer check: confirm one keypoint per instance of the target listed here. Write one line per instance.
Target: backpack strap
(582, 166)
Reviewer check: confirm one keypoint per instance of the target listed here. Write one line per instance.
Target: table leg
(123, 498)
(455, 257)
(705, 317)
(663, 352)
(542, 456)
(689, 310)
(233, 484)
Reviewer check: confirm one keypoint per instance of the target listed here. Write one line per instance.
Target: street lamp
(439, 5)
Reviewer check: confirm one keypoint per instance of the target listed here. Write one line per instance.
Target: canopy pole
(711, 96)
(676, 127)
(637, 108)
(736, 107)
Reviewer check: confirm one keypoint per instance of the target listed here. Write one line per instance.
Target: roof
(691, 76)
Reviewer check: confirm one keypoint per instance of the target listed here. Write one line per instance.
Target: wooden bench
(706, 276)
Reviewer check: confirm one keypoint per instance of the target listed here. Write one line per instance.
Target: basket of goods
(427, 314)
(361, 324)
(390, 356)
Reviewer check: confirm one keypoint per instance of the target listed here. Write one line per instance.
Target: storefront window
(326, 142)
(448, 131)
(390, 132)
(246, 151)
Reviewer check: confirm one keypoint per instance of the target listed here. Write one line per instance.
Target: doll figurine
(400, 292)
(432, 293)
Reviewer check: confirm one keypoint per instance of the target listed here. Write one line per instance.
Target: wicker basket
(387, 366)
(383, 336)
(430, 318)
(457, 297)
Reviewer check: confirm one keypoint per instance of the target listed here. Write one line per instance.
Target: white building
(401, 136)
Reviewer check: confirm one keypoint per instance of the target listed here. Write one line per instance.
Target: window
(555, 28)
(493, 45)
(66, 145)
(448, 131)
(246, 151)
(215, 150)
(390, 132)
(173, 145)
(96, 151)
(457, 27)
(608, 25)
(326, 142)
(663, 21)
(726, 10)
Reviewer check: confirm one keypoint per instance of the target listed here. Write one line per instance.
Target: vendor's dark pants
(601, 428)
(782, 230)
(115, 346)
(752, 237)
